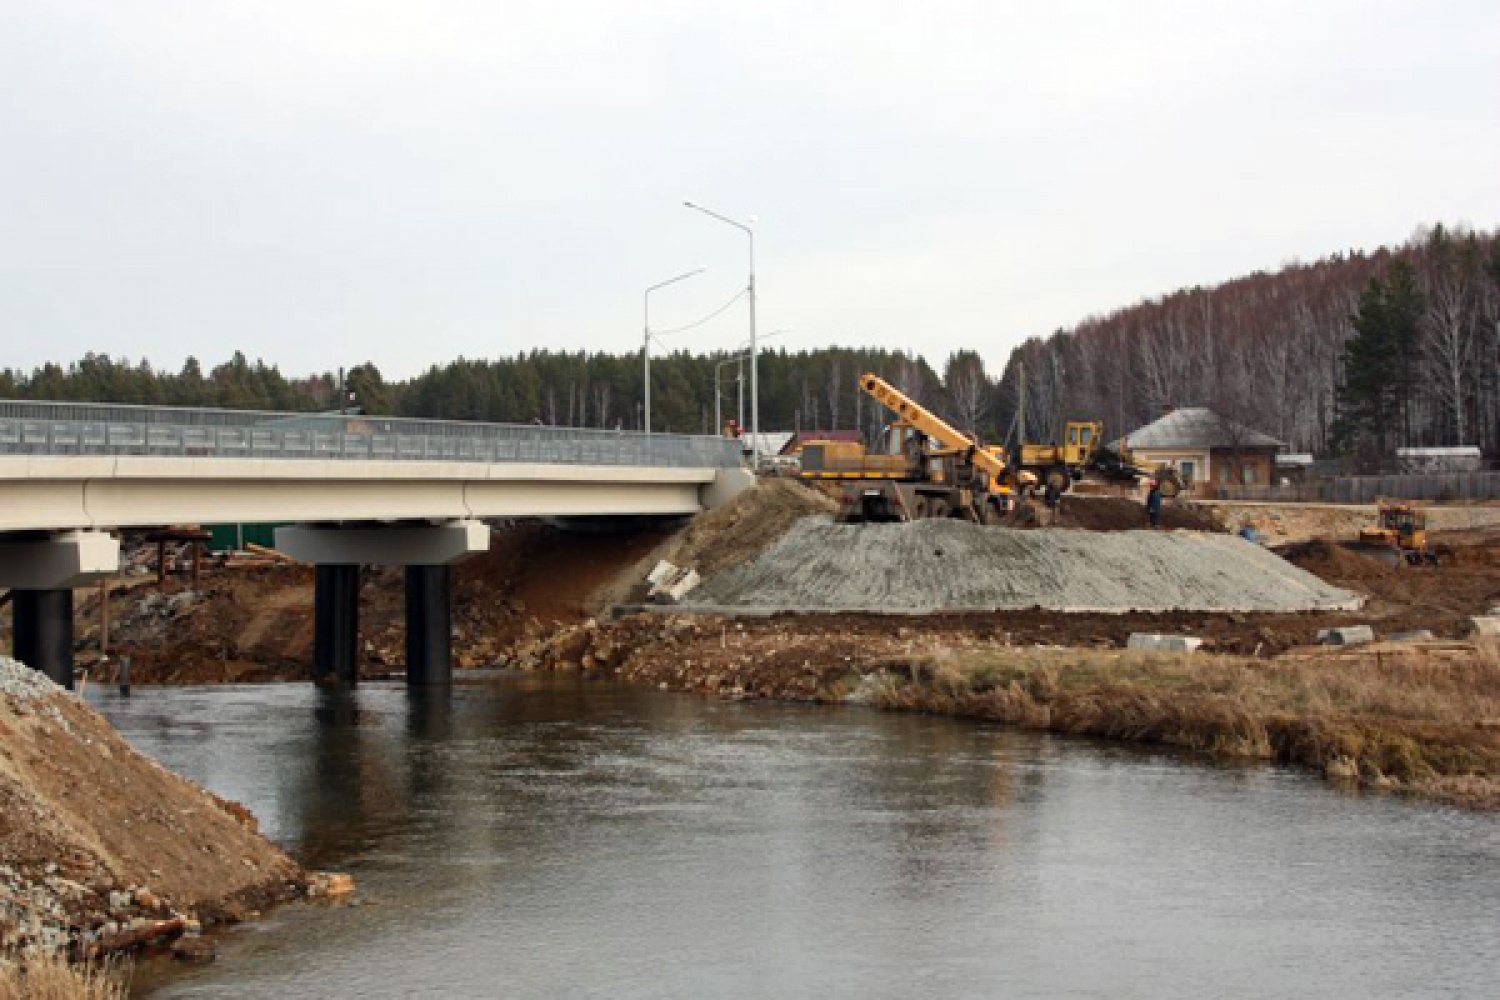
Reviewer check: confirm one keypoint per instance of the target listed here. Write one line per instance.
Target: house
(1205, 447)
(771, 442)
(1465, 458)
(1294, 467)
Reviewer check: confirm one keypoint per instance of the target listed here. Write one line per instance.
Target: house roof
(1198, 427)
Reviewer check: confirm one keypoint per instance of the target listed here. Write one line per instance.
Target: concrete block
(678, 588)
(661, 572)
(1350, 635)
(1486, 624)
(1411, 635)
(1162, 643)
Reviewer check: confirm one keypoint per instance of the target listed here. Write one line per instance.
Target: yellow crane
(929, 468)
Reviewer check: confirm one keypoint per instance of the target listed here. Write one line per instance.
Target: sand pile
(947, 565)
(102, 848)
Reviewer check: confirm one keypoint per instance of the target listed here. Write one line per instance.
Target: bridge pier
(41, 570)
(429, 626)
(336, 625)
(44, 632)
(427, 553)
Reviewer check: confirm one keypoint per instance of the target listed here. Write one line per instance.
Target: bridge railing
(28, 428)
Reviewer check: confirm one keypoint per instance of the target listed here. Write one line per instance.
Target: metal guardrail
(28, 428)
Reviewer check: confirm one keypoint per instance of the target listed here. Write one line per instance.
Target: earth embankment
(101, 848)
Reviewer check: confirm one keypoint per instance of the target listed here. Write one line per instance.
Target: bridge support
(41, 570)
(429, 625)
(427, 551)
(336, 625)
(44, 632)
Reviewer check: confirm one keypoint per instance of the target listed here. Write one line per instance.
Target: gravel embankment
(929, 566)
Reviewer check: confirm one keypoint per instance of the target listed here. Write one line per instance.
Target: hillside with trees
(1355, 354)
(1352, 354)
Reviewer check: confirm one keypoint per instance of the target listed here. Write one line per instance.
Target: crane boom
(915, 415)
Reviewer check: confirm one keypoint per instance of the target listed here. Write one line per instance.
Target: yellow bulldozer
(1399, 536)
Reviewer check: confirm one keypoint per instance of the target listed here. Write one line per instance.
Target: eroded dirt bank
(102, 849)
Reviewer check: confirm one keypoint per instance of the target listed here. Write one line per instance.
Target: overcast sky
(323, 183)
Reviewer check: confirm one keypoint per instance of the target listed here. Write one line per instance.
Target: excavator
(928, 468)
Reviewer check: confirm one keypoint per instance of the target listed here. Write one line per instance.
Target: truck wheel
(1057, 477)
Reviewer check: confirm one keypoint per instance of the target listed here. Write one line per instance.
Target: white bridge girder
(55, 493)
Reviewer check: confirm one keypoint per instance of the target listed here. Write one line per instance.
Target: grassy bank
(1415, 721)
(53, 978)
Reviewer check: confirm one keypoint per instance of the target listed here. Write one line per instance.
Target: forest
(1355, 354)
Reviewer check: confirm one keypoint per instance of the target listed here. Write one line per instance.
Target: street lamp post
(646, 345)
(738, 360)
(754, 353)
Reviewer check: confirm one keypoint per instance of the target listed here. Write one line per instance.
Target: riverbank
(1417, 718)
(102, 850)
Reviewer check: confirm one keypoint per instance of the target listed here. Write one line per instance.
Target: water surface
(556, 837)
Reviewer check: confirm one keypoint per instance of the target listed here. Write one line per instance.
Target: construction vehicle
(1082, 450)
(927, 468)
(1399, 537)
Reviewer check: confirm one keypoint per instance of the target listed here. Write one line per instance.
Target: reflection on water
(546, 836)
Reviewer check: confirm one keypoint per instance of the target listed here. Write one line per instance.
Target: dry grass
(53, 978)
(1423, 721)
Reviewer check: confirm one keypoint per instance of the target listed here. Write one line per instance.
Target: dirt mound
(1106, 513)
(1330, 560)
(98, 842)
(947, 565)
(734, 533)
(1440, 598)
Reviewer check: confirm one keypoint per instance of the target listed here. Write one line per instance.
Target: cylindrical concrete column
(336, 625)
(429, 617)
(44, 632)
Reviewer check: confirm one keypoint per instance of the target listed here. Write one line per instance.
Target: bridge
(352, 490)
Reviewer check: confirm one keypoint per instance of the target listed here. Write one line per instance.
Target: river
(545, 836)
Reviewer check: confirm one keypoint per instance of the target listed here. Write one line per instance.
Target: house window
(1247, 475)
(1187, 469)
(1226, 474)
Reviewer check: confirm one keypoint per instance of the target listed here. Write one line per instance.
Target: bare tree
(835, 391)
(1450, 328)
(968, 387)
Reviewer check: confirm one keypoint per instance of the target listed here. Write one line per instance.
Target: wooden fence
(1436, 487)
